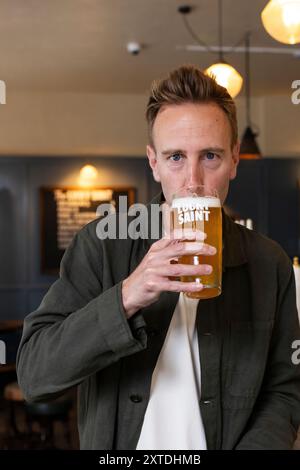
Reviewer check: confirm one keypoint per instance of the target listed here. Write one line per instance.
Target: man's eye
(175, 157)
(210, 155)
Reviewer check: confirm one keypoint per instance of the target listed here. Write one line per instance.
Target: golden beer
(201, 215)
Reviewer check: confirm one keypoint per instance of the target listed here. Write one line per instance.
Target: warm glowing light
(281, 19)
(227, 77)
(88, 176)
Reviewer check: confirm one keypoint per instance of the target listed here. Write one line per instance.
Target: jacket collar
(233, 249)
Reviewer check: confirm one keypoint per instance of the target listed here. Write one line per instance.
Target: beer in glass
(197, 210)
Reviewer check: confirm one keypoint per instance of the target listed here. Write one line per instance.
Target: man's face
(192, 146)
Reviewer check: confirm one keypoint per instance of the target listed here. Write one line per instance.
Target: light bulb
(88, 175)
(227, 77)
(281, 19)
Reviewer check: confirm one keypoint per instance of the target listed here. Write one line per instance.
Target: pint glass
(198, 210)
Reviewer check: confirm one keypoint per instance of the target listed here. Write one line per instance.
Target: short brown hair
(188, 84)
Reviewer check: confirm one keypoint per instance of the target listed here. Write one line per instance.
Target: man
(154, 369)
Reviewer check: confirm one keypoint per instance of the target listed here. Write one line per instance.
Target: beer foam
(192, 203)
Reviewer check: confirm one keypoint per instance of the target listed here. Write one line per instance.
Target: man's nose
(195, 175)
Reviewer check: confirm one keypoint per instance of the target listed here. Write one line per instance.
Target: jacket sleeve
(78, 329)
(275, 419)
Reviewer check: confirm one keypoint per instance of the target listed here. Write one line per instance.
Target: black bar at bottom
(135, 459)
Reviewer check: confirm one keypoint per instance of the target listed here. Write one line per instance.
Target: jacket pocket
(246, 352)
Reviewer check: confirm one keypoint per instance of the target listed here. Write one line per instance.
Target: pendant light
(225, 75)
(281, 19)
(249, 148)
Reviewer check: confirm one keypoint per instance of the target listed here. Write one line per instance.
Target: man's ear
(151, 154)
(235, 160)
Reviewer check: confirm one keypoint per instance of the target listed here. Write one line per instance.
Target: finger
(187, 248)
(178, 286)
(167, 241)
(188, 234)
(178, 270)
(162, 243)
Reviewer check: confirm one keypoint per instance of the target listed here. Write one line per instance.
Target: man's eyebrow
(213, 149)
(205, 150)
(171, 151)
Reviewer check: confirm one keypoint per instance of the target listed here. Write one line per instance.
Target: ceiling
(80, 45)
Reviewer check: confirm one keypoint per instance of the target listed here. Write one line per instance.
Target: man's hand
(155, 272)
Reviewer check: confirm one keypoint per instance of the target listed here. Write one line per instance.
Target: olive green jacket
(250, 392)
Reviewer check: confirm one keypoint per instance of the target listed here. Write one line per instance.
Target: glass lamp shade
(88, 176)
(227, 77)
(281, 19)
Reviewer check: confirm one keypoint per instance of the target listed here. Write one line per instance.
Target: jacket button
(136, 398)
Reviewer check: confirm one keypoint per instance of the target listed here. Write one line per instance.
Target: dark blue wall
(268, 192)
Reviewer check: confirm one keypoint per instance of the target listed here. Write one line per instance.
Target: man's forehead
(190, 115)
(188, 120)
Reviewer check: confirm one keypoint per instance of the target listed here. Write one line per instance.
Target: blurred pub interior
(76, 95)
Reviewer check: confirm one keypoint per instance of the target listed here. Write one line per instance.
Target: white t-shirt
(173, 418)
